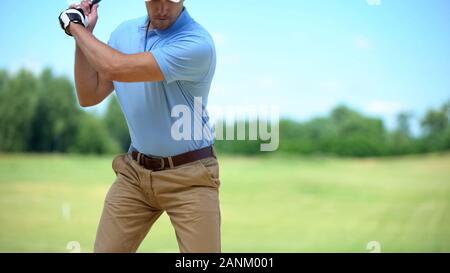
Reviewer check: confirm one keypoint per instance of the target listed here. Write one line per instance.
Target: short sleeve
(185, 60)
(120, 33)
(112, 39)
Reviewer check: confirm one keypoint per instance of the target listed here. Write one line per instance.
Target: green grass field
(273, 204)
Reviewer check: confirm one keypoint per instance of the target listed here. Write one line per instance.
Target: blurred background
(363, 163)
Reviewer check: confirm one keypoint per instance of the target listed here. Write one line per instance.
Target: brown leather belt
(163, 163)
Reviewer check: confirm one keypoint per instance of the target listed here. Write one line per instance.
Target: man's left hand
(70, 16)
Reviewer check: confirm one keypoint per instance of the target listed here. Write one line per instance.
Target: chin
(162, 25)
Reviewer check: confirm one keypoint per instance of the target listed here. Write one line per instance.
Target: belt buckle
(162, 164)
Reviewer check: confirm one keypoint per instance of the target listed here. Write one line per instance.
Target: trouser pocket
(210, 168)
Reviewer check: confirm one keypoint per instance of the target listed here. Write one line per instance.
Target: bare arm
(97, 64)
(92, 87)
(113, 64)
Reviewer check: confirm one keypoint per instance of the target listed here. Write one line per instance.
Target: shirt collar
(183, 19)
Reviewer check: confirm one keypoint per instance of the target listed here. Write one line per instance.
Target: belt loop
(170, 162)
(139, 158)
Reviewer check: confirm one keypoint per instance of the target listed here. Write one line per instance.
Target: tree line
(40, 114)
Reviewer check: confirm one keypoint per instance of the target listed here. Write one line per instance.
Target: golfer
(154, 63)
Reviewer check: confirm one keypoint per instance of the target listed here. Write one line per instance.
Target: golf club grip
(94, 2)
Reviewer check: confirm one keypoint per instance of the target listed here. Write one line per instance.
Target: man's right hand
(90, 13)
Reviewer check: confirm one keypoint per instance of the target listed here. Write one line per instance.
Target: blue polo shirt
(186, 56)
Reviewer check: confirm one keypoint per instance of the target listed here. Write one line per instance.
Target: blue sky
(377, 56)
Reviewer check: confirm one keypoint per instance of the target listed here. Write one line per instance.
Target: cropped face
(163, 13)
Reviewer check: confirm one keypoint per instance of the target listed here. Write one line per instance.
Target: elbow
(87, 103)
(111, 68)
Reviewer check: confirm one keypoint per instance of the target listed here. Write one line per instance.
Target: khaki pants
(188, 193)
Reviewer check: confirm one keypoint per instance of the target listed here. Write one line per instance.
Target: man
(154, 64)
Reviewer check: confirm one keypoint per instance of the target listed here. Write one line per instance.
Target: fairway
(269, 204)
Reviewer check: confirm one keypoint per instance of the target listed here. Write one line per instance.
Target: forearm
(100, 56)
(86, 78)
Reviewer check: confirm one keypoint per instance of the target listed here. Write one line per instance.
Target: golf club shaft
(93, 2)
